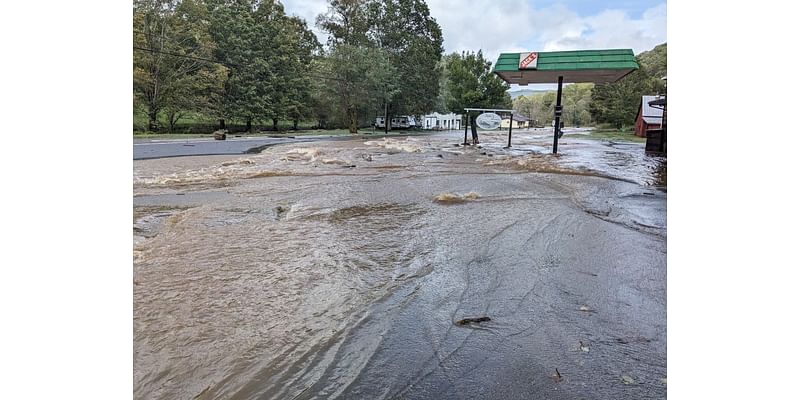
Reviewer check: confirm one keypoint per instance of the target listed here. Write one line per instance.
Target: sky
(497, 26)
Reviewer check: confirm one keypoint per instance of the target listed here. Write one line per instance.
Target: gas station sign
(528, 60)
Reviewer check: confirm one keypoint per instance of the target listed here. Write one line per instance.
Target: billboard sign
(488, 121)
(528, 60)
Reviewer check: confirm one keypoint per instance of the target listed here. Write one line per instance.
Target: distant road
(144, 149)
(160, 148)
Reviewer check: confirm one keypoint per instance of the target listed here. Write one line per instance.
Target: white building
(440, 122)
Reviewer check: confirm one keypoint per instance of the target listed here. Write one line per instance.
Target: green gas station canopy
(597, 66)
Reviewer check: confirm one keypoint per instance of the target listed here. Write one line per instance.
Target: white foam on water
(409, 145)
(303, 154)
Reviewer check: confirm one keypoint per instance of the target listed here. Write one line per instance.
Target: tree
(303, 45)
(413, 40)
(471, 83)
(348, 22)
(405, 33)
(362, 77)
(618, 103)
(170, 69)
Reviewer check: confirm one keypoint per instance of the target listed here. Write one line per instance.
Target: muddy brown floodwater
(402, 268)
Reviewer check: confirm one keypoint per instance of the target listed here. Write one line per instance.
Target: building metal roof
(518, 117)
(650, 114)
(649, 111)
(597, 66)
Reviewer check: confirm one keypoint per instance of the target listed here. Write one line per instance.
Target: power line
(184, 56)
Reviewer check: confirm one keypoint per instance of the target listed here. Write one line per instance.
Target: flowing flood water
(347, 269)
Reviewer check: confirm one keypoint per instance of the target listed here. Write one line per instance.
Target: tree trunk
(152, 119)
(173, 118)
(274, 124)
(249, 126)
(353, 114)
(294, 124)
(386, 120)
(222, 123)
(474, 131)
(172, 121)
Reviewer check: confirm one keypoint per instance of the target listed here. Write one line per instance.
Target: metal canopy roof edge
(596, 66)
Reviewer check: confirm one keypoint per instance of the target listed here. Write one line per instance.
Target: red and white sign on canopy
(528, 60)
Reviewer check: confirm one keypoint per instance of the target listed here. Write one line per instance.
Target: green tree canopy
(471, 83)
(413, 39)
(172, 67)
(618, 103)
(361, 79)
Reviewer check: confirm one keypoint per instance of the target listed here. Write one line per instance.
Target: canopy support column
(557, 127)
(510, 124)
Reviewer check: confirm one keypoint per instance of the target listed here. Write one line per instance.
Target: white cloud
(308, 10)
(497, 26)
(615, 29)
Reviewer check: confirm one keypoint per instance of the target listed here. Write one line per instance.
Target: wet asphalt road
(144, 149)
(160, 148)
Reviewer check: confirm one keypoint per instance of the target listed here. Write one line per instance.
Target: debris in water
(586, 309)
(332, 161)
(466, 321)
(280, 212)
(628, 380)
(455, 197)
(583, 347)
(664, 380)
(440, 156)
(557, 376)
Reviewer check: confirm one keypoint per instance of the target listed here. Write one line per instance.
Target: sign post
(510, 124)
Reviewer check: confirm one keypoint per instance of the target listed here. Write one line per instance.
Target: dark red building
(648, 117)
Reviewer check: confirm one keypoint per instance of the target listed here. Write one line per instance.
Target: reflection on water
(338, 269)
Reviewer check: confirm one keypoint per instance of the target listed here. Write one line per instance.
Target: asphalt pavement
(160, 148)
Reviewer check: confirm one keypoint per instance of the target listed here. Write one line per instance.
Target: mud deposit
(342, 270)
